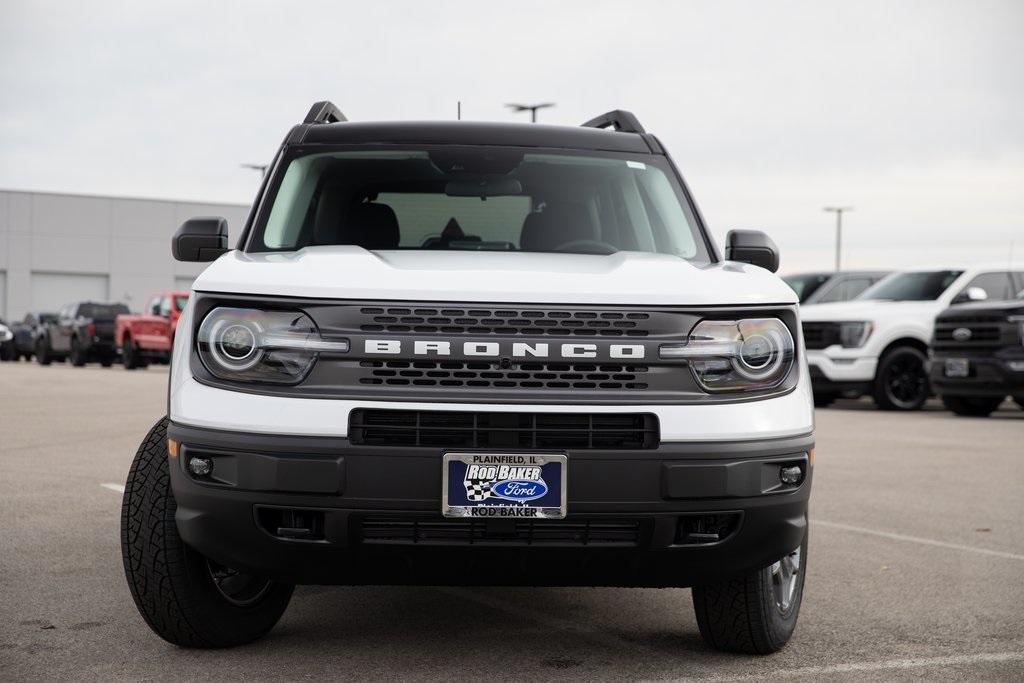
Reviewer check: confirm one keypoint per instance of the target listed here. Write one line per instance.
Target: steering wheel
(587, 247)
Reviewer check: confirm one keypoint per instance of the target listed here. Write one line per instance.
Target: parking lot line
(918, 539)
(114, 487)
(886, 665)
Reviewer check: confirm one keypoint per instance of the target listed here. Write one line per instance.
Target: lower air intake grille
(384, 530)
(532, 431)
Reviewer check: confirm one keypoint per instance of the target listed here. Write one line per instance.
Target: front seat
(556, 225)
(367, 224)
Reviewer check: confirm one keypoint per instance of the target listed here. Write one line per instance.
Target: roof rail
(621, 120)
(324, 112)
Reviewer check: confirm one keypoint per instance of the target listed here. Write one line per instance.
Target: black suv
(978, 356)
(82, 332)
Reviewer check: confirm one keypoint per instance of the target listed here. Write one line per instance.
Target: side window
(997, 287)
(153, 307)
(1018, 284)
(165, 307)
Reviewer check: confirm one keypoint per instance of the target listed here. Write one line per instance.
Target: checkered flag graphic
(477, 489)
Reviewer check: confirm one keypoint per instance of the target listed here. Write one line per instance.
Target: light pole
(838, 211)
(532, 108)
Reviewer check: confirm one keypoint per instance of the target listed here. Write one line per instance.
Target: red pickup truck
(145, 337)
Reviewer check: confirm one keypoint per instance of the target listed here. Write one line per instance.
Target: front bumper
(629, 513)
(989, 375)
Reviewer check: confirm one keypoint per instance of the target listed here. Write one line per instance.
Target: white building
(60, 248)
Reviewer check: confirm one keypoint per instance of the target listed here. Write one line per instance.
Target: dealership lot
(916, 566)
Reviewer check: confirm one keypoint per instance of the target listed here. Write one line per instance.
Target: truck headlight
(737, 355)
(249, 345)
(853, 335)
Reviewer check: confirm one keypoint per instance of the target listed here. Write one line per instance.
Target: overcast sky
(912, 112)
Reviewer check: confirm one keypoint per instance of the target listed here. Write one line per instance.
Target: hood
(869, 309)
(966, 310)
(349, 272)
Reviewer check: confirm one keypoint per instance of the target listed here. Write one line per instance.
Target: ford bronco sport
(475, 354)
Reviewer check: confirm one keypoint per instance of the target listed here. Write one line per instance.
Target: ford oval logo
(520, 490)
(961, 334)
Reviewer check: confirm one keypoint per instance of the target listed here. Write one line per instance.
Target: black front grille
(394, 530)
(492, 375)
(504, 321)
(820, 335)
(530, 431)
(987, 332)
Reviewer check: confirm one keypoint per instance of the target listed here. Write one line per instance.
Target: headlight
(737, 355)
(854, 335)
(243, 344)
(5, 334)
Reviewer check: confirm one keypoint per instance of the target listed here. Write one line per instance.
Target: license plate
(503, 485)
(958, 367)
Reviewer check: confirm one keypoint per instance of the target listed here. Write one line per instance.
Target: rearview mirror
(200, 239)
(753, 247)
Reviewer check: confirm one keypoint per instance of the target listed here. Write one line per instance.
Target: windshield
(480, 199)
(101, 311)
(806, 285)
(180, 302)
(916, 286)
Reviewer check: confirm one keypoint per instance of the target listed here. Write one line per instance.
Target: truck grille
(820, 335)
(488, 375)
(529, 431)
(389, 530)
(987, 332)
(504, 321)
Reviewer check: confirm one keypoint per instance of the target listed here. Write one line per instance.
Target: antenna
(458, 110)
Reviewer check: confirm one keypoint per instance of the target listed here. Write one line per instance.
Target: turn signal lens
(172, 448)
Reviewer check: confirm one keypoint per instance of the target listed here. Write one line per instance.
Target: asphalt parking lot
(916, 567)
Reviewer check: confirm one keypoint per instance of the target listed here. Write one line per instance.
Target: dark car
(26, 333)
(82, 332)
(977, 355)
(825, 288)
(6, 342)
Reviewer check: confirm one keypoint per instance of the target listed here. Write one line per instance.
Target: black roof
(474, 133)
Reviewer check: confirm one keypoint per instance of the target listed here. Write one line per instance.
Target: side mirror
(975, 294)
(200, 239)
(753, 247)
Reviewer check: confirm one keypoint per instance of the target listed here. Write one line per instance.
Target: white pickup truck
(877, 344)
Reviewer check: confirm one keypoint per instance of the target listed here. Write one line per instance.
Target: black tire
(972, 406)
(43, 352)
(901, 382)
(77, 356)
(744, 614)
(824, 400)
(130, 355)
(172, 584)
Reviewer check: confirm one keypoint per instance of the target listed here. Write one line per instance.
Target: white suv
(877, 344)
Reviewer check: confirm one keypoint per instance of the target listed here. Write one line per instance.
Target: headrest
(368, 225)
(556, 225)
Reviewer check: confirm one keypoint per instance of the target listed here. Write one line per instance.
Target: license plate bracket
(504, 485)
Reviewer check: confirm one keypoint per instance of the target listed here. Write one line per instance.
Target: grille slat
(525, 375)
(383, 530)
(506, 321)
(532, 431)
(988, 332)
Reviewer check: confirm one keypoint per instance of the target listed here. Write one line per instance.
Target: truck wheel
(130, 355)
(902, 381)
(972, 406)
(754, 613)
(185, 598)
(77, 355)
(43, 352)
